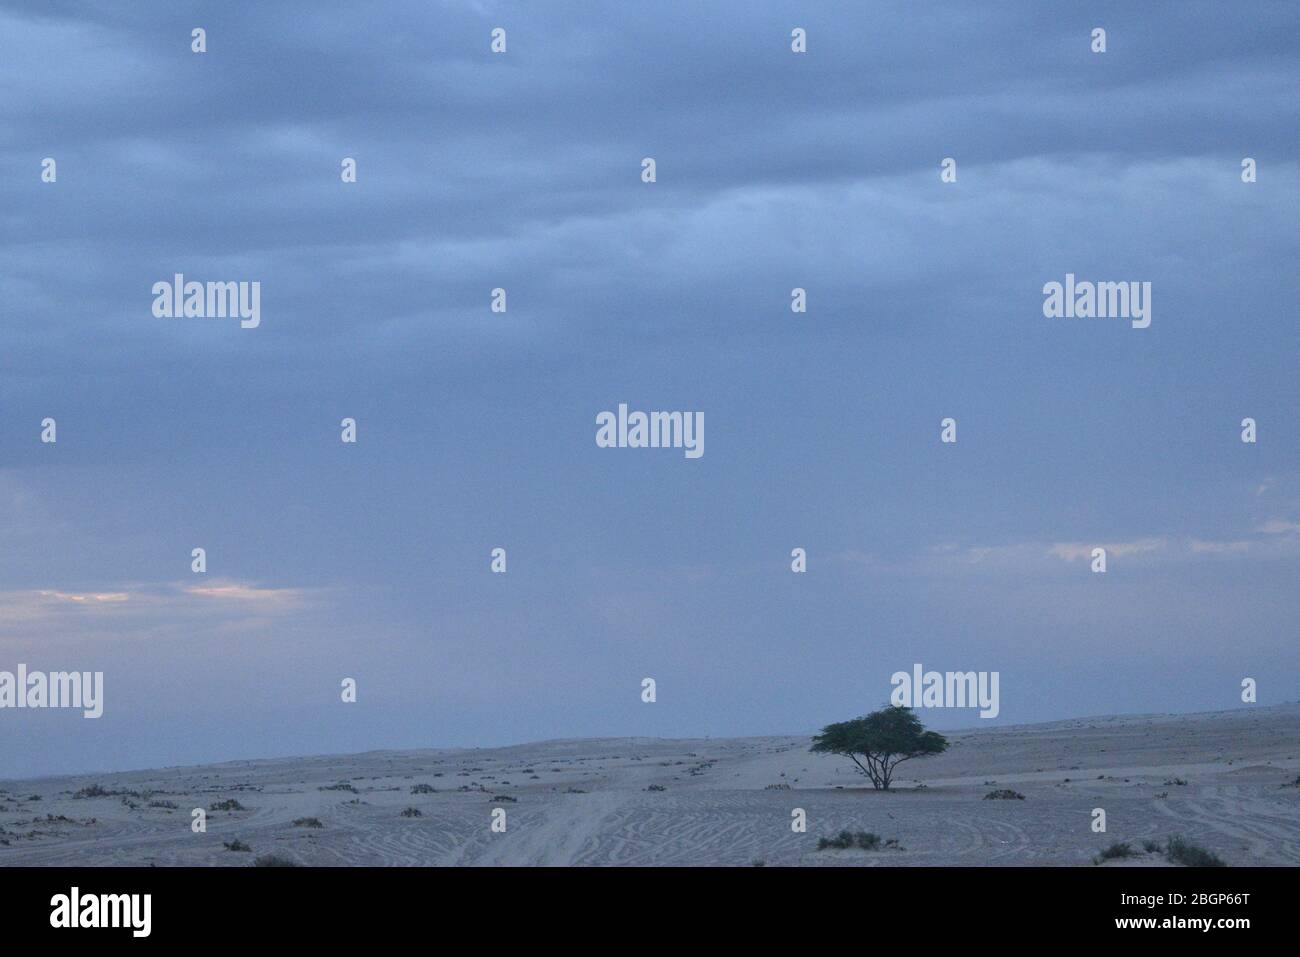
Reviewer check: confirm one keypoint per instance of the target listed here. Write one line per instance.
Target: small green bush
(847, 839)
(1004, 794)
(1118, 849)
(1190, 855)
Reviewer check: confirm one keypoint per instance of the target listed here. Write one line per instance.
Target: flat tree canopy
(884, 739)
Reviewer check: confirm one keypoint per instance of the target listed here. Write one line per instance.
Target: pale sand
(1239, 801)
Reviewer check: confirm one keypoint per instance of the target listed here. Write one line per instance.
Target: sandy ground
(1225, 781)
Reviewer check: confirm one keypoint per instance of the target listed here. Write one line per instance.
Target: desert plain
(1225, 781)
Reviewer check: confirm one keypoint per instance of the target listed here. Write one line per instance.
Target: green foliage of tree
(878, 742)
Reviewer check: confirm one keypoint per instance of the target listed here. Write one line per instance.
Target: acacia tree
(884, 739)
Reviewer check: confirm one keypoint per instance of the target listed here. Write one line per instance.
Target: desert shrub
(656, 787)
(230, 804)
(1151, 847)
(308, 822)
(274, 860)
(235, 845)
(847, 839)
(842, 840)
(1118, 849)
(1004, 794)
(505, 799)
(341, 786)
(170, 805)
(867, 841)
(423, 789)
(412, 812)
(1190, 855)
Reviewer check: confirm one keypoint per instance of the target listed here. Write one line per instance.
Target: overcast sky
(476, 429)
